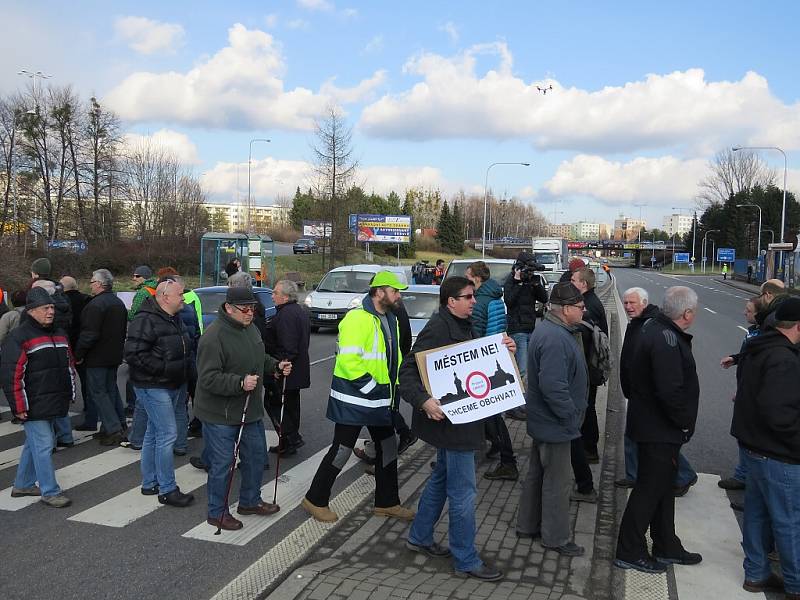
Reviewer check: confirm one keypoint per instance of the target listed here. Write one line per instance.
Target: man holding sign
(453, 478)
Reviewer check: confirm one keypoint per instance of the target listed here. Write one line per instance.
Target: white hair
(288, 288)
(677, 300)
(641, 292)
(104, 278)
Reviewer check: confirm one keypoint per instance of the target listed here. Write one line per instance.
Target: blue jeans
(686, 473)
(771, 514)
(452, 480)
(741, 467)
(139, 425)
(157, 462)
(36, 463)
(101, 383)
(63, 429)
(521, 355)
(220, 441)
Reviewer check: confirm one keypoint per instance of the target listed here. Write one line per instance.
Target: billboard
(394, 229)
(316, 229)
(726, 254)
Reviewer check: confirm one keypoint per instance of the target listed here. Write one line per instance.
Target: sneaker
(65, 444)
(773, 583)
(153, 491)
(624, 483)
(731, 483)
(396, 512)
(406, 441)
(320, 513)
(508, 472)
(264, 509)
(176, 498)
(434, 550)
(568, 549)
(484, 573)
(198, 463)
(686, 558)
(59, 501)
(644, 565)
(227, 522)
(590, 496)
(25, 491)
(130, 446)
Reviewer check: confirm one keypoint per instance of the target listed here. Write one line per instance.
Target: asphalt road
(718, 331)
(45, 555)
(283, 249)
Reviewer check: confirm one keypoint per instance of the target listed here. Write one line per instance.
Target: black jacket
(404, 325)
(157, 350)
(595, 311)
(288, 335)
(520, 298)
(103, 323)
(766, 413)
(37, 371)
(442, 329)
(628, 353)
(77, 301)
(664, 390)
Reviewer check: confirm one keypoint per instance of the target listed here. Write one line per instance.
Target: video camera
(527, 265)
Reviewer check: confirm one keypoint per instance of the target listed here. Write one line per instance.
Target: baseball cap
(565, 293)
(240, 295)
(387, 279)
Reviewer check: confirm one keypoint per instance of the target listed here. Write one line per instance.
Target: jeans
(159, 439)
(102, 387)
(771, 514)
(63, 429)
(452, 481)
(36, 463)
(139, 424)
(741, 467)
(219, 444)
(181, 419)
(686, 473)
(521, 355)
(544, 500)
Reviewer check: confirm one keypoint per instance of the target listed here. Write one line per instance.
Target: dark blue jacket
(489, 313)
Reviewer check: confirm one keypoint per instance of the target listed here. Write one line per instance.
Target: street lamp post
(773, 234)
(249, 160)
(34, 75)
(704, 246)
(673, 250)
(758, 249)
(486, 198)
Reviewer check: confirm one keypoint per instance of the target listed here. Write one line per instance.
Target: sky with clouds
(638, 96)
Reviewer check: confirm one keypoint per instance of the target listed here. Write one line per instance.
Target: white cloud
(664, 180)
(528, 192)
(360, 92)
(147, 36)
(271, 21)
(321, 5)
(679, 109)
(451, 30)
(374, 45)
(240, 86)
(174, 142)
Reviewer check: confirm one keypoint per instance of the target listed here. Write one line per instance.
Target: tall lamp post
(704, 246)
(34, 75)
(758, 249)
(785, 169)
(772, 232)
(249, 160)
(486, 198)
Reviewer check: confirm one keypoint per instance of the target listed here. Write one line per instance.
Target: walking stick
(233, 464)
(280, 442)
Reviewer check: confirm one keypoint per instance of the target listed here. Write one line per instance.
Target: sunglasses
(247, 308)
(137, 277)
(465, 296)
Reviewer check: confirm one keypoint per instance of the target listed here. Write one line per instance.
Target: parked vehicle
(211, 298)
(304, 246)
(421, 302)
(340, 290)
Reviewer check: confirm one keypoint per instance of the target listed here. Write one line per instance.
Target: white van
(341, 290)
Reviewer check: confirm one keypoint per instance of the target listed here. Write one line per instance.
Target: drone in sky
(545, 90)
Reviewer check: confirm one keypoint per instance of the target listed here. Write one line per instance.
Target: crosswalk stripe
(292, 487)
(7, 427)
(10, 458)
(76, 474)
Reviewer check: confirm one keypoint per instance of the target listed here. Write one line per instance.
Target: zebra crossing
(130, 506)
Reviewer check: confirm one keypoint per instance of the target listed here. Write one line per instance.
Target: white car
(341, 290)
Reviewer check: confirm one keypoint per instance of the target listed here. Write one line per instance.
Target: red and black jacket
(37, 370)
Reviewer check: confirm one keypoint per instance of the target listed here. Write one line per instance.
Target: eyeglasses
(247, 308)
(137, 277)
(465, 296)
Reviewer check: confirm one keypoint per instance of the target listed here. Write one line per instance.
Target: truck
(551, 253)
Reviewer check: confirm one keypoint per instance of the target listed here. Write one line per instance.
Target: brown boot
(264, 509)
(227, 522)
(320, 513)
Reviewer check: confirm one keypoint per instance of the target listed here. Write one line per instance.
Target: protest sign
(473, 380)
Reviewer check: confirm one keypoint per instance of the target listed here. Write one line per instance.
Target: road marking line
(743, 328)
(709, 310)
(292, 489)
(76, 474)
(321, 360)
(10, 457)
(9, 428)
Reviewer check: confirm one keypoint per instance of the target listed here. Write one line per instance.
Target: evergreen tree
(444, 226)
(304, 206)
(457, 234)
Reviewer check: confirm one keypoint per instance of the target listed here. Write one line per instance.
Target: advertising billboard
(394, 229)
(316, 229)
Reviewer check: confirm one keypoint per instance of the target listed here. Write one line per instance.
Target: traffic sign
(726, 254)
(681, 257)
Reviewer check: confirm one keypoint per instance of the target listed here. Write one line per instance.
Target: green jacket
(226, 353)
(142, 293)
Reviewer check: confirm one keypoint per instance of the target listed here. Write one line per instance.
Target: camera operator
(522, 289)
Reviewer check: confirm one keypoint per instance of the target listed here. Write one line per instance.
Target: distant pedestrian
(438, 272)
(724, 270)
(765, 414)
(749, 273)
(556, 399)
(77, 300)
(38, 376)
(662, 412)
(157, 353)
(11, 319)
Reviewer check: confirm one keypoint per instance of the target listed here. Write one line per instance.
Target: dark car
(211, 298)
(304, 246)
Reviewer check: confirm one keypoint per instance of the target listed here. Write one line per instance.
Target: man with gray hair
(104, 320)
(663, 395)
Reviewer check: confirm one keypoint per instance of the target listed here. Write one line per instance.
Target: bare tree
(100, 169)
(10, 111)
(334, 169)
(732, 172)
